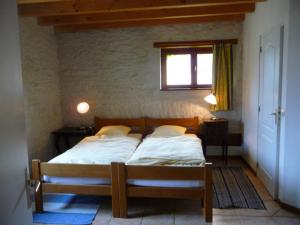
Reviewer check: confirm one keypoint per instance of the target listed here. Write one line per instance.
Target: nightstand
(215, 132)
(66, 133)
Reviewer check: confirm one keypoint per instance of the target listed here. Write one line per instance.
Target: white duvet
(100, 150)
(182, 150)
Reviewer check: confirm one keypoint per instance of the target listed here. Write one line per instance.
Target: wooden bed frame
(204, 174)
(40, 169)
(119, 173)
(203, 193)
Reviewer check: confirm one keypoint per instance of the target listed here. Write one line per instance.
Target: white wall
(290, 154)
(118, 72)
(13, 150)
(270, 14)
(42, 93)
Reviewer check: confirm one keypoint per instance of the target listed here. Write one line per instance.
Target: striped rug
(233, 189)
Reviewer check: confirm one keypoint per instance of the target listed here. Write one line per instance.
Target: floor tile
(189, 220)
(286, 221)
(246, 220)
(103, 217)
(272, 207)
(264, 194)
(130, 221)
(158, 220)
(225, 212)
(254, 180)
(226, 220)
(285, 213)
(252, 212)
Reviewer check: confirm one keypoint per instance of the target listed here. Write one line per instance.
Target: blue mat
(68, 209)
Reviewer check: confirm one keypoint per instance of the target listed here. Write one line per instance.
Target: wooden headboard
(137, 125)
(191, 124)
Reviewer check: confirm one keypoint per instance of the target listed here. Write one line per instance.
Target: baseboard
(248, 165)
(289, 207)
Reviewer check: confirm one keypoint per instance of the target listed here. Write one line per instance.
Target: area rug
(233, 189)
(68, 209)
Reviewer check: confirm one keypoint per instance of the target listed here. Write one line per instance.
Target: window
(186, 68)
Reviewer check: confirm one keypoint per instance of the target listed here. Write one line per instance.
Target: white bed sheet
(96, 150)
(190, 140)
(183, 150)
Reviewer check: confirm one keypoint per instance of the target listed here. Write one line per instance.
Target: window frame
(193, 52)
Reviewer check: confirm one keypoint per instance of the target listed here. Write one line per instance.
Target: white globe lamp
(83, 107)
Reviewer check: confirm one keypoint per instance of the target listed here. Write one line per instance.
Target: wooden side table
(66, 133)
(215, 132)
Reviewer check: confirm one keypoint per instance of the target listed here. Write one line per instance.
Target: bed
(87, 168)
(154, 171)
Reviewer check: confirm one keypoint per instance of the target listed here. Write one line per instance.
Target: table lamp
(82, 108)
(211, 99)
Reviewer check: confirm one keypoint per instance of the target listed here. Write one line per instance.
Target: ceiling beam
(147, 22)
(65, 7)
(149, 14)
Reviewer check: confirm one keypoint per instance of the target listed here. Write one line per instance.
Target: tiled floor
(188, 212)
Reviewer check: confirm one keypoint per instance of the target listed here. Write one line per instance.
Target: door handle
(35, 185)
(28, 190)
(31, 186)
(277, 115)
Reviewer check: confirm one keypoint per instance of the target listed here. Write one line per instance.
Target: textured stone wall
(117, 71)
(42, 94)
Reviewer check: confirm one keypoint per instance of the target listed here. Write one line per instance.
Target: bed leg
(114, 190)
(122, 190)
(208, 193)
(36, 176)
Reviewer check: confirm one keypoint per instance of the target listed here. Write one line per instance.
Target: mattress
(135, 182)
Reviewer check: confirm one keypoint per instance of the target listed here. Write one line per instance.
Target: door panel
(14, 209)
(269, 56)
(268, 138)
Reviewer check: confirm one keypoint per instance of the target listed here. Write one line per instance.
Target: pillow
(168, 131)
(118, 130)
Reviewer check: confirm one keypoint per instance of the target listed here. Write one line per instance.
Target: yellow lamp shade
(211, 99)
(83, 107)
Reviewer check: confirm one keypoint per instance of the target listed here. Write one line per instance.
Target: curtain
(222, 76)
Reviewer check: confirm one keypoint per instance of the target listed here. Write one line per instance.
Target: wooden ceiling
(81, 15)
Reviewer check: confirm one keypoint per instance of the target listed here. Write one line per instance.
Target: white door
(269, 113)
(14, 207)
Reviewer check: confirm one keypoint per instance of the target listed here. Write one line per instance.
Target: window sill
(185, 88)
